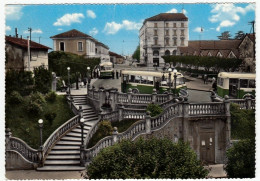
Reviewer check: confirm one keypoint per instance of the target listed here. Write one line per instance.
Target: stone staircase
(65, 155)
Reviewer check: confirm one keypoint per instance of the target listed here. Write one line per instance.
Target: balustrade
(133, 113)
(142, 98)
(241, 102)
(206, 109)
(122, 98)
(160, 98)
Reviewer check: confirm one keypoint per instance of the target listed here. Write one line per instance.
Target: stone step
(78, 130)
(62, 162)
(63, 157)
(68, 143)
(64, 152)
(64, 147)
(73, 134)
(68, 138)
(90, 119)
(61, 168)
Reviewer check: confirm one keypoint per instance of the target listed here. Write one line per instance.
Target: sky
(118, 25)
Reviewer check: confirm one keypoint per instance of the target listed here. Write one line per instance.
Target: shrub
(34, 108)
(104, 129)
(43, 79)
(51, 96)
(50, 116)
(153, 158)
(241, 160)
(15, 98)
(154, 109)
(38, 98)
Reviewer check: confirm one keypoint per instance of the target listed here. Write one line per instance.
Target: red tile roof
(71, 34)
(168, 17)
(115, 54)
(24, 43)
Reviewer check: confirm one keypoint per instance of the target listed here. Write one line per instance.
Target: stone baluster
(129, 95)
(116, 97)
(148, 122)
(248, 102)
(80, 112)
(154, 95)
(120, 113)
(114, 136)
(185, 109)
(170, 96)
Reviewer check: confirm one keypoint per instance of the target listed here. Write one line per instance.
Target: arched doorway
(167, 53)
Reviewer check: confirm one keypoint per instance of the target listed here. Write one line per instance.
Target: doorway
(207, 147)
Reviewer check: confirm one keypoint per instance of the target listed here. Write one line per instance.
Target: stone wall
(14, 161)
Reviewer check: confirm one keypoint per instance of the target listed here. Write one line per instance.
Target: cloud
(91, 14)
(36, 31)
(172, 11)
(68, 19)
(60, 29)
(228, 14)
(113, 27)
(93, 32)
(8, 28)
(198, 29)
(13, 12)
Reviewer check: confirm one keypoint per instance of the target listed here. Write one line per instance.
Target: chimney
(21, 36)
(16, 34)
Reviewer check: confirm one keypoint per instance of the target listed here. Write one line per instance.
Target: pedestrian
(85, 82)
(116, 74)
(205, 78)
(113, 74)
(214, 84)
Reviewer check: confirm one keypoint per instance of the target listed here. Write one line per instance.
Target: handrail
(126, 135)
(58, 133)
(91, 132)
(24, 149)
(206, 108)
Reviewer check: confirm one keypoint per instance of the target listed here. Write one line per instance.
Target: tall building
(76, 42)
(162, 35)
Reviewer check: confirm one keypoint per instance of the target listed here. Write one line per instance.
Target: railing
(90, 93)
(141, 98)
(135, 106)
(167, 103)
(96, 95)
(170, 112)
(241, 102)
(58, 133)
(112, 116)
(160, 98)
(91, 132)
(122, 98)
(133, 113)
(136, 129)
(25, 150)
(253, 104)
(215, 108)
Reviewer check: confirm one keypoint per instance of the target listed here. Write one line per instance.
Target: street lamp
(82, 127)
(88, 77)
(170, 70)
(68, 68)
(175, 78)
(40, 126)
(82, 157)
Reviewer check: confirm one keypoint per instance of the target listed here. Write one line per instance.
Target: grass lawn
(25, 126)
(100, 133)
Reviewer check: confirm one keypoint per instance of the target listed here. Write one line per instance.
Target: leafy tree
(239, 35)
(154, 109)
(153, 158)
(225, 35)
(136, 54)
(241, 160)
(43, 79)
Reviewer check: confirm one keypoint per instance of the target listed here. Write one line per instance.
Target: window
(96, 50)
(174, 52)
(175, 41)
(174, 33)
(182, 32)
(155, 41)
(155, 32)
(167, 42)
(182, 25)
(62, 46)
(251, 83)
(167, 53)
(155, 25)
(220, 81)
(182, 41)
(174, 25)
(167, 32)
(156, 53)
(167, 25)
(243, 83)
(80, 46)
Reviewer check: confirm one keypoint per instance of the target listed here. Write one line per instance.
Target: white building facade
(161, 35)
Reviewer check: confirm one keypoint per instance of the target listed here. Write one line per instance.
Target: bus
(235, 84)
(145, 81)
(106, 69)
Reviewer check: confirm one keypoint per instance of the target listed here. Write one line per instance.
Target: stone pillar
(102, 97)
(114, 136)
(8, 135)
(120, 113)
(80, 112)
(129, 94)
(170, 95)
(185, 123)
(248, 102)
(82, 156)
(116, 97)
(228, 121)
(148, 122)
(54, 82)
(154, 96)
(112, 102)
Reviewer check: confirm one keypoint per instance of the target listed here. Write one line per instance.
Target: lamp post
(88, 77)
(175, 79)
(82, 127)
(170, 70)
(68, 68)
(40, 121)
(82, 157)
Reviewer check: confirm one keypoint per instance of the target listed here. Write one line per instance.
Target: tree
(136, 54)
(225, 36)
(241, 160)
(239, 35)
(153, 158)
(43, 79)
(154, 109)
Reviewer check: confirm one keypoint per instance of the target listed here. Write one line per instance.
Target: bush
(104, 129)
(154, 109)
(15, 98)
(51, 96)
(34, 108)
(37, 98)
(154, 158)
(50, 116)
(43, 79)
(241, 160)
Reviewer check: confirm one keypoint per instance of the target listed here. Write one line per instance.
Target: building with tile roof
(76, 42)
(115, 58)
(17, 54)
(162, 35)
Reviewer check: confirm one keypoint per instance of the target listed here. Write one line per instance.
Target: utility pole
(253, 26)
(29, 48)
